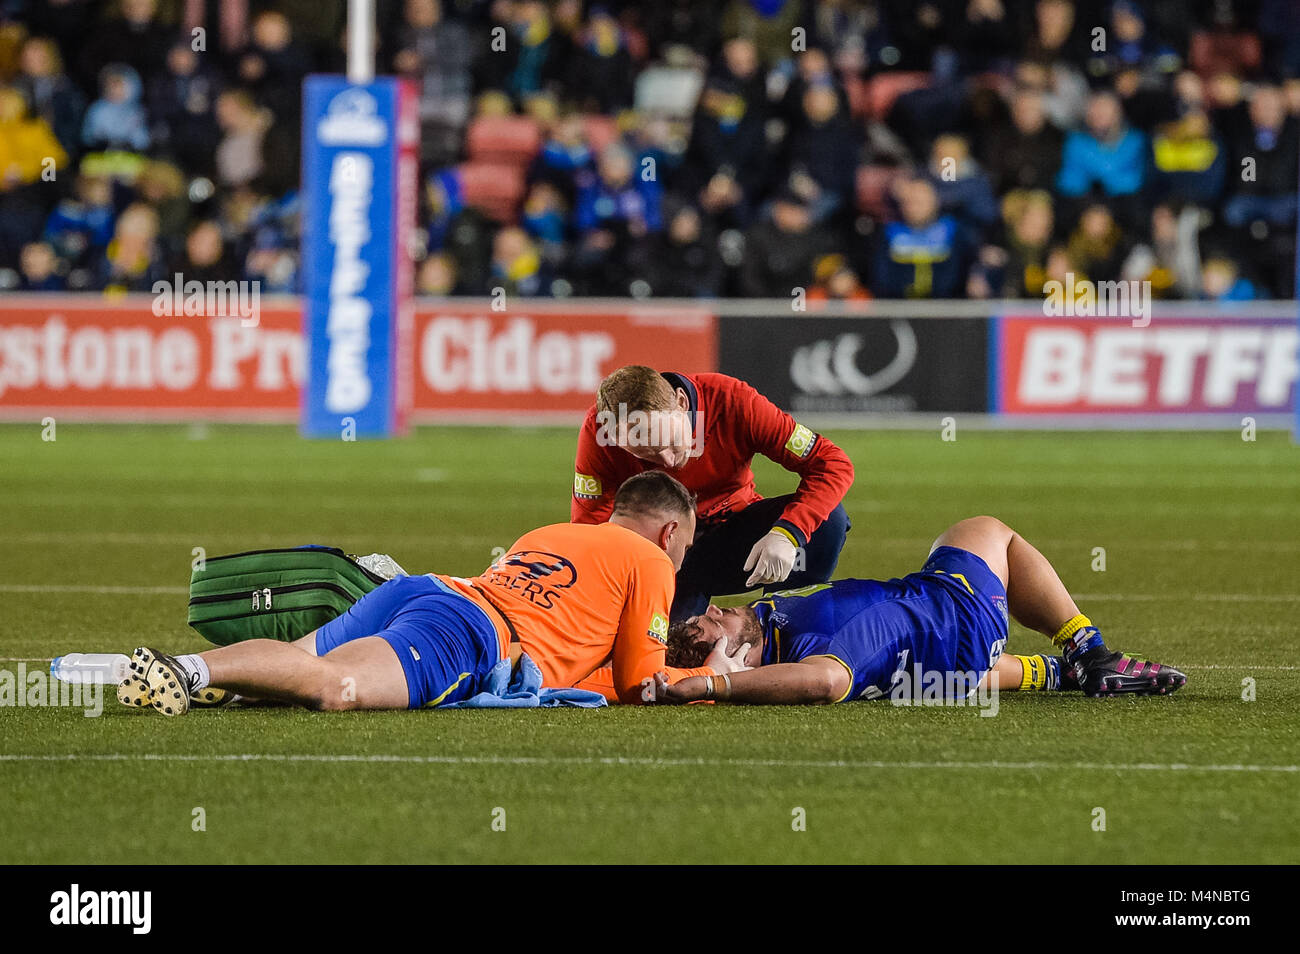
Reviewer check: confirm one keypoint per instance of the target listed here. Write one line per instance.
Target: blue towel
(520, 687)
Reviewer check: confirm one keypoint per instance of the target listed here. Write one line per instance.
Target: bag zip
(275, 591)
(271, 612)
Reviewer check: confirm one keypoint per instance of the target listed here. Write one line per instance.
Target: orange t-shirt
(580, 596)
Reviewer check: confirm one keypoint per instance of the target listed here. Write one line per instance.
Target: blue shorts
(445, 642)
(980, 602)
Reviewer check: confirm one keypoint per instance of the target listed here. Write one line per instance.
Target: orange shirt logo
(536, 575)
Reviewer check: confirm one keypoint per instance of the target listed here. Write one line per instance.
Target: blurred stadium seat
(493, 187)
(1236, 53)
(884, 89)
(503, 140)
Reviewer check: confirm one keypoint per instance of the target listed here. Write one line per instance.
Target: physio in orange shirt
(574, 597)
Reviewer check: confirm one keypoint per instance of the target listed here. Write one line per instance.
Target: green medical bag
(274, 594)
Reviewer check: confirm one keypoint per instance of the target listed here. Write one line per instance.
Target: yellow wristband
(787, 534)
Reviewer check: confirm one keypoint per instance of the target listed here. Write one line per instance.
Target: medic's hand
(719, 661)
(772, 559)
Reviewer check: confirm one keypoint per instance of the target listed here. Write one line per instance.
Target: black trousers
(714, 565)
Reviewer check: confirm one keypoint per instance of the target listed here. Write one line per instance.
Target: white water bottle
(104, 668)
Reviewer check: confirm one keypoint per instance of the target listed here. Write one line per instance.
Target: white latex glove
(772, 559)
(720, 661)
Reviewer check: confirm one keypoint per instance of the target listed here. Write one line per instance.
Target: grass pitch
(1201, 539)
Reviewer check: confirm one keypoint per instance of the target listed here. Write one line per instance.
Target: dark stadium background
(790, 169)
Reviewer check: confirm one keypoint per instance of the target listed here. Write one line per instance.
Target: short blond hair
(635, 387)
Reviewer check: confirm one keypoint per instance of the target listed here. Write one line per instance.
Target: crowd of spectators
(684, 148)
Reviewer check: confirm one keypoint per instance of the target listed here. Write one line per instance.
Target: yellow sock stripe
(1071, 627)
(1033, 673)
(450, 689)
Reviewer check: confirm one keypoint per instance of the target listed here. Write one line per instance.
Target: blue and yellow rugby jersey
(950, 617)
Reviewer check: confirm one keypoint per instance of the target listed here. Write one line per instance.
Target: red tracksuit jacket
(738, 423)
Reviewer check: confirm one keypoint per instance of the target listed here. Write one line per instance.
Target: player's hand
(657, 690)
(652, 688)
(720, 662)
(771, 559)
(680, 693)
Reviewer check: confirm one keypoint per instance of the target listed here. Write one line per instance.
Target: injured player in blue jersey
(937, 633)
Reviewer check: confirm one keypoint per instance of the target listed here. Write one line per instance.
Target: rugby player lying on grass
(857, 639)
(570, 596)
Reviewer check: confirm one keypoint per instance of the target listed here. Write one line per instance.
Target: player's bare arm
(818, 680)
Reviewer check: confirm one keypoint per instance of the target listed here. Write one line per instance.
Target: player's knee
(983, 526)
(984, 536)
(992, 525)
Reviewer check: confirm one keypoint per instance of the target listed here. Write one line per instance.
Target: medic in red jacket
(705, 429)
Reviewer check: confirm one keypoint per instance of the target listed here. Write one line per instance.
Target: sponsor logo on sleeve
(801, 441)
(659, 627)
(586, 487)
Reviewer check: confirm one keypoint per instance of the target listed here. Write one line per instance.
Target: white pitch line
(236, 541)
(654, 763)
(918, 544)
(1249, 668)
(1193, 597)
(100, 590)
